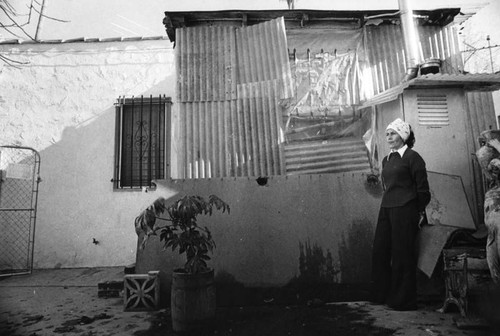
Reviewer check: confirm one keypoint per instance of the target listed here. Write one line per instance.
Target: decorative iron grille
(142, 146)
(19, 179)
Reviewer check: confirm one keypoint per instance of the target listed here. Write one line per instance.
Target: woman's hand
(422, 220)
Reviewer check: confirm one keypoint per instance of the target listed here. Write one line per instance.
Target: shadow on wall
(318, 280)
(77, 203)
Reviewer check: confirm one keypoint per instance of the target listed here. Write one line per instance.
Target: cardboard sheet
(447, 212)
(449, 205)
(431, 241)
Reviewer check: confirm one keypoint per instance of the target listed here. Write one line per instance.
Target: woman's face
(393, 139)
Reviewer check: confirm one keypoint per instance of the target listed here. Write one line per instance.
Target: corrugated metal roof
(470, 82)
(85, 40)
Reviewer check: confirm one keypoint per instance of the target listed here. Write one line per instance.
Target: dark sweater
(405, 179)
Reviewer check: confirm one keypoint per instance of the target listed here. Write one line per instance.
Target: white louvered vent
(433, 110)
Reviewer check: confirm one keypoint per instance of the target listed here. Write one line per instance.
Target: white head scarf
(401, 127)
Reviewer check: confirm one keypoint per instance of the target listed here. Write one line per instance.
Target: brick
(109, 289)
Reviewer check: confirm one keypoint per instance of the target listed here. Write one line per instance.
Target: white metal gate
(19, 179)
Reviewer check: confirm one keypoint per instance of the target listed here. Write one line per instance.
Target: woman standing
(406, 194)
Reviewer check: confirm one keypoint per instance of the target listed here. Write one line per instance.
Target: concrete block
(141, 291)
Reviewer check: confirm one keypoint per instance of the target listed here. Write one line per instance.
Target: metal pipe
(410, 37)
(141, 141)
(132, 143)
(150, 138)
(161, 153)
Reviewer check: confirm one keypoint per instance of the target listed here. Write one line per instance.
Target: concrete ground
(66, 302)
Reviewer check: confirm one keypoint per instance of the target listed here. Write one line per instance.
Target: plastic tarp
(326, 74)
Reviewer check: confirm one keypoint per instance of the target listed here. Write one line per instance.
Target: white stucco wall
(61, 103)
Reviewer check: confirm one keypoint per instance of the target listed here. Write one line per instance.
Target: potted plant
(193, 289)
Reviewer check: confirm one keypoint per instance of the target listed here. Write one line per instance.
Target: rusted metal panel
(206, 59)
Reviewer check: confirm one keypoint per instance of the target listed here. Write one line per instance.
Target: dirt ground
(65, 302)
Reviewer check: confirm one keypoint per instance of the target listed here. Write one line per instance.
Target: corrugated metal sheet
(327, 156)
(213, 60)
(470, 82)
(206, 64)
(240, 137)
(386, 57)
(481, 117)
(230, 83)
(442, 43)
(263, 55)
(385, 51)
(259, 134)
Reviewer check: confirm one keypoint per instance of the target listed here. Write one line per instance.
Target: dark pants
(394, 263)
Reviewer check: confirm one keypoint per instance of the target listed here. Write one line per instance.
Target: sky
(126, 18)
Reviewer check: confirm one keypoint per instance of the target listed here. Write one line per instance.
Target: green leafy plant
(182, 232)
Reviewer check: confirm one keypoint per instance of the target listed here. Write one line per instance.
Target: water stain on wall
(355, 252)
(316, 265)
(318, 276)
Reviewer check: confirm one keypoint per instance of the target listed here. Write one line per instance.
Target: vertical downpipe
(141, 142)
(132, 145)
(411, 40)
(150, 137)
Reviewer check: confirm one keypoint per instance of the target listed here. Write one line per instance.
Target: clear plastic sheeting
(370, 138)
(326, 90)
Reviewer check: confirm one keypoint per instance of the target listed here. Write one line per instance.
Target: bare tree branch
(11, 62)
(7, 6)
(49, 17)
(17, 25)
(7, 11)
(29, 12)
(8, 30)
(40, 17)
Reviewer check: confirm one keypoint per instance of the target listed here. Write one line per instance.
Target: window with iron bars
(142, 145)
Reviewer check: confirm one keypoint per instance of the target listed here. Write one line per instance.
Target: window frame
(146, 102)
